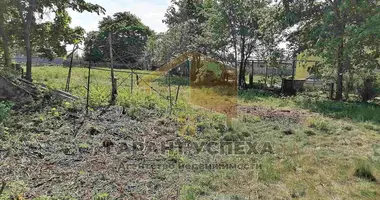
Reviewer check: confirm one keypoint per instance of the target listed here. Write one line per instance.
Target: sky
(151, 13)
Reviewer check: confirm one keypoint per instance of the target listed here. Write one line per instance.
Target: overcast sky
(151, 13)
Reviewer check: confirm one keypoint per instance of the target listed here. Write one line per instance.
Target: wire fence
(130, 83)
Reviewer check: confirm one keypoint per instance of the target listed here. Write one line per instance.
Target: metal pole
(88, 85)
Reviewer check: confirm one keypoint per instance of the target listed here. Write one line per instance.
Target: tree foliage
(343, 33)
(25, 26)
(129, 38)
(227, 30)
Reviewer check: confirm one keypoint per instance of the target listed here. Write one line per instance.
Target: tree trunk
(4, 35)
(346, 88)
(271, 78)
(27, 25)
(28, 50)
(242, 66)
(340, 51)
(234, 39)
(5, 42)
(266, 74)
(236, 61)
(349, 80)
(251, 76)
(339, 83)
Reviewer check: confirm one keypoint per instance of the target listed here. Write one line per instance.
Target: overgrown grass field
(321, 149)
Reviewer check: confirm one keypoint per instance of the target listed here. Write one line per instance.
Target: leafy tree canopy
(129, 38)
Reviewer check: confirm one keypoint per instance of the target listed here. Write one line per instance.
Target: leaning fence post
(67, 88)
(176, 97)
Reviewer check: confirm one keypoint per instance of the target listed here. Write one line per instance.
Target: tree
(362, 46)
(28, 10)
(270, 38)
(8, 29)
(237, 21)
(176, 41)
(185, 19)
(3, 34)
(129, 37)
(92, 53)
(325, 28)
(151, 54)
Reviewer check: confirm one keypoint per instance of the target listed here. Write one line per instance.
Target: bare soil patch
(273, 114)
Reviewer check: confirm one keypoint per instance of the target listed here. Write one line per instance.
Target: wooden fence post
(170, 94)
(88, 86)
(67, 88)
(113, 81)
(131, 82)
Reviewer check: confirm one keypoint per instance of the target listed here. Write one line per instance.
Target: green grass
(4, 110)
(55, 77)
(359, 112)
(364, 170)
(100, 86)
(322, 125)
(355, 111)
(322, 148)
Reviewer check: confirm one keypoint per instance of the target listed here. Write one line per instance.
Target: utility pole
(114, 86)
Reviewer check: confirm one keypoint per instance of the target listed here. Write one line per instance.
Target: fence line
(138, 79)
